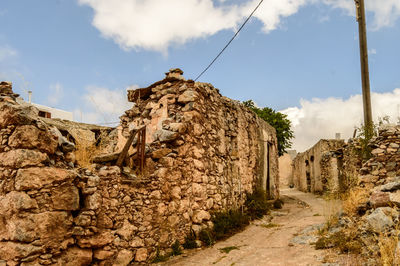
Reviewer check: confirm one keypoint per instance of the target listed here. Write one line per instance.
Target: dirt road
(284, 240)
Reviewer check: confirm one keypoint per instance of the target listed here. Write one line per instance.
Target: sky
(300, 57)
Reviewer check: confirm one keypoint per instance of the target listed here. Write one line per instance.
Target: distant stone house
(318, 169)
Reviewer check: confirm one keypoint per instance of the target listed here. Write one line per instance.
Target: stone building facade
(203, 153)
(318, 169)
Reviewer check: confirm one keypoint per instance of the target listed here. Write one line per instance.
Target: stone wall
(375, 221)
(316, 169)
(203, 152)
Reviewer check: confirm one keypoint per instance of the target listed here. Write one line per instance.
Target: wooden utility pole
(360, 13)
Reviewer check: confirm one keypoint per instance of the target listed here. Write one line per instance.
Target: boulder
(17, 114)
(30, 137)
(392, 186)
(22, 158)
(36, 178)
(379, 221)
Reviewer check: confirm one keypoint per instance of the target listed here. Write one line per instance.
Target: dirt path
(286, 244)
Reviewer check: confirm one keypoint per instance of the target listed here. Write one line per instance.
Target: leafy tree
(279, 121)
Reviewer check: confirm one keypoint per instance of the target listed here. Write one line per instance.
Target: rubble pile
(203, 152)
(376, 199)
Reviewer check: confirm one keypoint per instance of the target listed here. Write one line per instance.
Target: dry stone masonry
(203, 152)
(316, 170)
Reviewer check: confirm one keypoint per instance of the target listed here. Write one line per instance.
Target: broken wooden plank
(128, 144)
(104, 158)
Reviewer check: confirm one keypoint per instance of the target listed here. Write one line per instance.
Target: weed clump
(256, 204)
(346, 243)
(176, 249)
(207, 237)
(190, 241)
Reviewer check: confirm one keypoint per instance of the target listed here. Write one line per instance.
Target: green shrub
(176, 248)
(207, 237)
(228, 223)
(190, 241)
(159, 258)
(256, 204)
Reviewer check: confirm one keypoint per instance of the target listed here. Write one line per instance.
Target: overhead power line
(226, 46)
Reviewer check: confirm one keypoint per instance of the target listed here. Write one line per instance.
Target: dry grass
(84, 153)
(387, 248)
(353, 199)
(332, 209)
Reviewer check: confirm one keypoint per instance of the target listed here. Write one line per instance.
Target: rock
(13, 250)
(141, 255)
(36, 178)
(96, 241)
(65, 197)
(176, 193)
(391, 186)
(65, 145)
(101, 254)
(6, 87)
(379, 221)
(15, 202)
(395, 198)
(136, 242)
(22, 158)
(17, 114)
(124, 257)
(165, 135)
(188, 96)
(94, 201)
(75, 256)
(158, 154)
(82, 220)
(30, 137)
(201, 215)
(197, 190)
(377, 151)
(177, 127)
(379, 199)
(127, 230)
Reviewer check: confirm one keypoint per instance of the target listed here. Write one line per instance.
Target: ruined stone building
(317, 169)
(195, 152)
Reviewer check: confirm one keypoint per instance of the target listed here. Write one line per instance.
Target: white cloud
(157, 24)
(322, 118)
(103, 105)
(372, 51)
(7, 52)
(385, 12)
(56, 93)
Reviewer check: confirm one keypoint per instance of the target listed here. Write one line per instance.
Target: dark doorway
(308, 181)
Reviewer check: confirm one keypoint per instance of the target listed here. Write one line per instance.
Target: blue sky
(81, 55)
